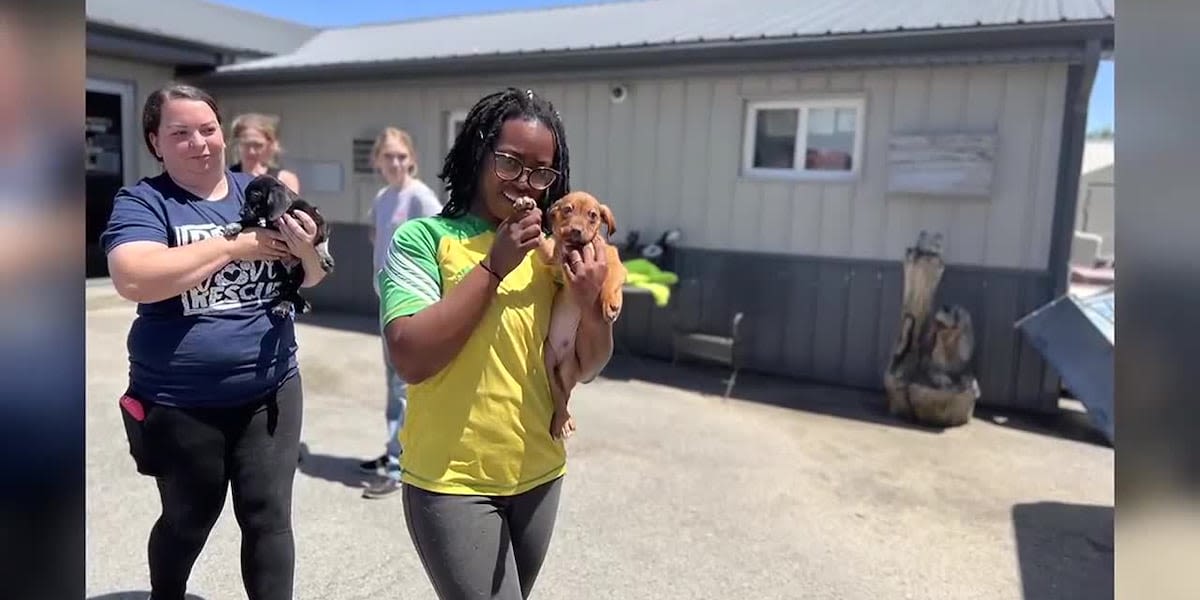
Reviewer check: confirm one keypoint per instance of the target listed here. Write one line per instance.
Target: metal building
(799, 146)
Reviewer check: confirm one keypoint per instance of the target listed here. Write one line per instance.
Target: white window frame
(451, 117)
(798, 172)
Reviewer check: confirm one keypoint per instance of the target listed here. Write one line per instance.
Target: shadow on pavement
(1064, 424)
(139, 595)
(835, 401)
(843, 402)
(338, 469)
(1065, 550)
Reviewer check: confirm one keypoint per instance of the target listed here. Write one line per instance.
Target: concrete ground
(786, 491)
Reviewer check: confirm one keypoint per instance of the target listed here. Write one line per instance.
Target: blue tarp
(1076, 335)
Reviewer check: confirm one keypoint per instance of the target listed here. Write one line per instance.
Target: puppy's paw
(524, 203)
(562, 425)
(283, 308)
(612, 310)
(327, 262)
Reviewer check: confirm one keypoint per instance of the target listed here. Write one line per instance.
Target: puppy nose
(575, 234)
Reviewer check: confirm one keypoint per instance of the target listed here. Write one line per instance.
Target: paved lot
(799, 493)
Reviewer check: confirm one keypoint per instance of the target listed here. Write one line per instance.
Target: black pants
(482, 547)
(197, 454)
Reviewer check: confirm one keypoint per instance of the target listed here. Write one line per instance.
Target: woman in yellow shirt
(465, 309)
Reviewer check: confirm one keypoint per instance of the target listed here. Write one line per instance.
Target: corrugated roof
(203, 23)
(659, 23)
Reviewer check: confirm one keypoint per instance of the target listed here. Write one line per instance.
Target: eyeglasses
(509, 167)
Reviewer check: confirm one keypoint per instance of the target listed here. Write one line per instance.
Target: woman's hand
(259, 244)
(586, 270)
(515, 237)
(298, 232)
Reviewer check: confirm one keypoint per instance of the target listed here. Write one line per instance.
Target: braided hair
(477, 139)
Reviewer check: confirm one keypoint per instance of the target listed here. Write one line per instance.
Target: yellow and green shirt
(482, 424)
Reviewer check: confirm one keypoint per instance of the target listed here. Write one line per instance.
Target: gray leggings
(482, 547)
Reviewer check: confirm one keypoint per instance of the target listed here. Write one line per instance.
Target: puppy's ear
(607, 216)
(555, 211)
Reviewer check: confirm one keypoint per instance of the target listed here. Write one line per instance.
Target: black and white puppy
(268, 199)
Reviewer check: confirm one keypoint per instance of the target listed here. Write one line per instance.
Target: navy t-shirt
(216, 344)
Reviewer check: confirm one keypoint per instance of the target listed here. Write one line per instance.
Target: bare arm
(290, 179)
(313, 272)
(594, 339)
(424, 343)
(370, 218)
(145, 271)
(149, 271)
(593, 344)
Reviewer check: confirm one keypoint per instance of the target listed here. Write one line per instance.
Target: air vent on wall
(362, 156)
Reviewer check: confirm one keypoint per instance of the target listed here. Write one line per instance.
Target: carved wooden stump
(943, 407)
(927, 379)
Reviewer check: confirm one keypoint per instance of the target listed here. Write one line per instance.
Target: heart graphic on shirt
(234, 274)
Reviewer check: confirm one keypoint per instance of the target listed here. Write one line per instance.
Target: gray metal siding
(670, 155)
(827, 320)
(813, 264)
(835, 321)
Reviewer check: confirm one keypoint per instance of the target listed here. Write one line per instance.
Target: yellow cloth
(646, 275)
(481, 426)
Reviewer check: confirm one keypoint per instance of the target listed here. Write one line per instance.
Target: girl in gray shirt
(405, 197)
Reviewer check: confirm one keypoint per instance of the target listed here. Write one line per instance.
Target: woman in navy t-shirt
(214, 397)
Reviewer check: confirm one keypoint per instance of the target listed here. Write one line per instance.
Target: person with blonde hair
(257, 137)
(404, 197)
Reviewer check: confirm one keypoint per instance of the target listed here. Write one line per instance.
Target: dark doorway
(105, 170)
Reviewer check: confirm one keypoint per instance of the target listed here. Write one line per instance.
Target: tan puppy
(575, 222)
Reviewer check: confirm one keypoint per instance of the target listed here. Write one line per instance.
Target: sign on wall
(318, 176)
(959, 164)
